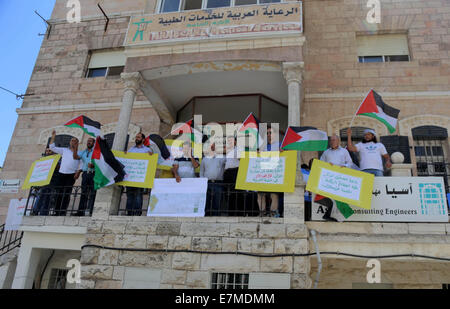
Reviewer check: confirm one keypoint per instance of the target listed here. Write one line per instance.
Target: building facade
(145, 65)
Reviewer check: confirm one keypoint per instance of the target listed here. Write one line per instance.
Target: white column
(27, 264)
(133, 82)
(292, 72)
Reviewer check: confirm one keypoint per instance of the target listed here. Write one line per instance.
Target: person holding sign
(67, 172)
(184, 166)
(370, 152)
(135, 195)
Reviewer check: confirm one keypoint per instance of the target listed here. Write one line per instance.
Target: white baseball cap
(370, 131)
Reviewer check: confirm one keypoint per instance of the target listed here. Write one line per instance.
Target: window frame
(205, 5)
(383, 57)
(106, 72)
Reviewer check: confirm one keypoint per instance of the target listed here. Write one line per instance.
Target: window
(168, 6)
(382, 48)
(61, 140)
(57, 279)
(110, 64)
(229, 281)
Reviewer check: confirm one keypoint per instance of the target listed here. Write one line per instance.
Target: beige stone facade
(321, 83)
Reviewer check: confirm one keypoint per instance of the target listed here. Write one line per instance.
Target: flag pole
(351, 122)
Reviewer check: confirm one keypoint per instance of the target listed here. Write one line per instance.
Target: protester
(67, 173)
(339, 156)
(184, 166)
(269, 199)
(336, 155)
(213, 167)
(87, 179)
(370, 151)
(44, 195)
(135, 195)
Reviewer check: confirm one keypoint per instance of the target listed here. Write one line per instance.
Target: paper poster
(341, 184)
(41, 172)
(140, 168)
(184, 199)
(16, 211)
(175, 148)
(398, 199)
(270, 171)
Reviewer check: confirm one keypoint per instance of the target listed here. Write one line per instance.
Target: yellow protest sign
(140, 168)
(41, 172)
(175, 148)
(270, 171)
(340, 183)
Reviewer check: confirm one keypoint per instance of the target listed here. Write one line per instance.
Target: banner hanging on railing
(184, 199)
(15, 214)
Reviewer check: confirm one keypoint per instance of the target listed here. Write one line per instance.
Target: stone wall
(104, 268)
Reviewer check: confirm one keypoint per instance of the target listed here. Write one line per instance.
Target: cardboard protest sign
(41, 172)
(341, 184)
(270, 171)
(16, 212)
(140, 168)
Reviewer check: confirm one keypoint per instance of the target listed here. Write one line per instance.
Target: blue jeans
(377, 173)
(134, 201)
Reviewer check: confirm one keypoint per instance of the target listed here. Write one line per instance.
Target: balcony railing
(221, 200)
(60, 201)
(9, 240)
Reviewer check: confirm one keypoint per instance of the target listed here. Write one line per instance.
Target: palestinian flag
(373, 106)
(343, 208)
(89, 126)
(251, 126)
(158, 141)
(108, 170)
(188, 128)
(304, 138)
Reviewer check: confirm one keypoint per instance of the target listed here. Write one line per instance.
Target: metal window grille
(57, 279)
(432, 152)
(229, 281)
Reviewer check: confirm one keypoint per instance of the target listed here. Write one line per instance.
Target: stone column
(399, 169)
(107, 199)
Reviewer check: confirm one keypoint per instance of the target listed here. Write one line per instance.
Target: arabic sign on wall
(400, 199)
(9, 186)
(216, 23)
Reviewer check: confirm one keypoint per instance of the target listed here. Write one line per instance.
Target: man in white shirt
(68, 173)
(213, 168)
(371, 153)
(336, 155)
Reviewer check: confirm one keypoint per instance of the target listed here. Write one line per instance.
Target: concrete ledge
(55, 229)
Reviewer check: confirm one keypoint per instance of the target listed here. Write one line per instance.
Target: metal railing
(221, 200)
(60, 201)
(9, 240)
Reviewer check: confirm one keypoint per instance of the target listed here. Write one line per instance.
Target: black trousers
(63, 191)
(88, 193)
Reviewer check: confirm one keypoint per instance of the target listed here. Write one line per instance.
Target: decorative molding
(132, 81)
(406, 125)
(111, 128)
(292, 71)
(335, 125)
(79, 107)
(45, 134)
(359, 95)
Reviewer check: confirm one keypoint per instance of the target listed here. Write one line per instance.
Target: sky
(19, 48)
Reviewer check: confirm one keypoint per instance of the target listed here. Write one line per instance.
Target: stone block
(118, 273)
(244, 230)
(96, 272)
(54, 221)
(108, 284)
(296, 231)
(186, 261)
(272, 231)
(297, 246)
(202, 229)
(302, 265)
(229, 244)
(168, 228)
(157, 242)
(198, 279)
(180, 243)
(108, 257)
(300, 281)
(89, 256)
(106, 240)
(426, 228)
(207, 244)
(229, 263)
(170, 276)
(114, 227)
(390, 228)
(277, 264)
(155, 260)
(130, 241)
(255, 245)
(136, 228)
